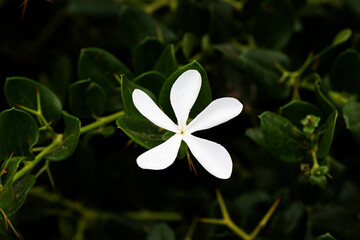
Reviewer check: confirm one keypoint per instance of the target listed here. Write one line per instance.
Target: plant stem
(27, 168)
(100, 122)
(226, 220)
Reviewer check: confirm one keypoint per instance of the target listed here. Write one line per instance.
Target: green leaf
(87, 99)
(259, 65)
(351, 112)
(327, 136)
(69, 139)
(283, 139)
(161, 231)
(274, 23)
(18, 133)
(345, 72)
(256, 135)
(342, 36)
(167, 63)
(13, 195)
(222, 21)
(189, 44)
(7, 194)
(101, 67)
(22, 91)
(21, 189)
(203, 99)
(137, 25)
(295, 111)
(127, 88)
(327, 107)
(151, 80)
(152, 49)
(326, 236)
(141, 131)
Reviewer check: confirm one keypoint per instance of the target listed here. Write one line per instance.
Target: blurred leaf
(94, 8)
(137, 25)
(22, 91)
(61, 75)
(87, 99)
(256, 135)
(69, 139)
(291, 220)
(327, 136)
(167, 63)
(18, 133)
(203, 99)
(342, 36)
(161, 231)
(141, 131)
(100, 66)
(284, 140)
(152, 49)
(260, 66)
(192, 17)
(151, 80)
(221, 21)
(274, 23)
(351, 112)
(189, 44)
(345, 72)
(326, 236)
(295, 111)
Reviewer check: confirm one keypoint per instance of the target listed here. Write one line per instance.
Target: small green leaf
(100, 67)
(22, 91)
(69, 139)
(151, 80)
(18, 133)
(161, 231)
(345, 72)
(141, 131)
(87, 99)
(260, 66)
(203, 99)
(326, 236)
(351, 112)
(283, 139)
(327, 136)
(274, 23)
(342, 36)
(295, 111)
(167, 63)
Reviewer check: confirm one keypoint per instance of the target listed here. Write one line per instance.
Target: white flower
(212, 156)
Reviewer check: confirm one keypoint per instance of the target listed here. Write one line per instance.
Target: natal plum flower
(184, 92)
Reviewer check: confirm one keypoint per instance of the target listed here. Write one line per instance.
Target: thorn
(7, 163)
(37, 91)
(23, 5)
(191, 164)
(18, 105)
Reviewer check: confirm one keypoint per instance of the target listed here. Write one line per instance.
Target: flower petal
(161, 156)
(217, 112)
(184, 93)
(212, 156)
(151, 111)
